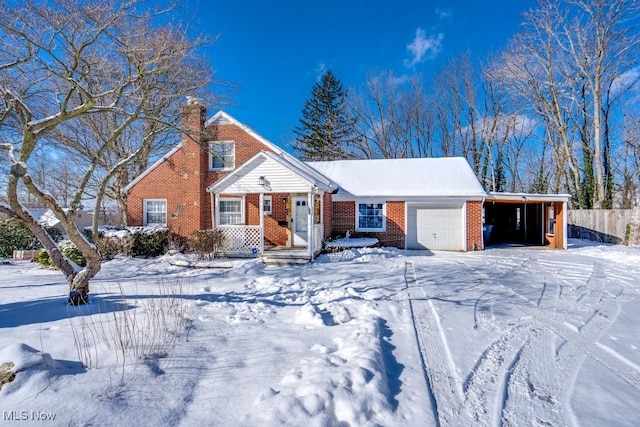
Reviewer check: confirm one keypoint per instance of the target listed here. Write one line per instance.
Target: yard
(508, 336)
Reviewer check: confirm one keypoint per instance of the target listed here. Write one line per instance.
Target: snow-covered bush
(149, 242)
(68, 249)
(72, 252)
(143, 242)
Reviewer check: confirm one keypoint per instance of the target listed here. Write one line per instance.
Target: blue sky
(276, 50)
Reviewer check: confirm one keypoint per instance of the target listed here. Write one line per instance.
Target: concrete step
(285, 262)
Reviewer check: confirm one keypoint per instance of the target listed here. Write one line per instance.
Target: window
(267, 205)
(223, 155)
(231, 212)
(155, 211)
(370, 217)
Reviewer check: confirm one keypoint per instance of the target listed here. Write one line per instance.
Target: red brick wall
(394, 236)
(178, 180)
(474, 225)
(344, 219)
(274, 233)
(327, 212)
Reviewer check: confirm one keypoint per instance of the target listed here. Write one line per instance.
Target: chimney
(193, 117)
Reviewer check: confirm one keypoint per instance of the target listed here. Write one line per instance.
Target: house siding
(474, 225)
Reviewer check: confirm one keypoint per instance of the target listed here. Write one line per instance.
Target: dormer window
(222, 155)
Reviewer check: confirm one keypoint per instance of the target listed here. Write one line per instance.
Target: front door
(300, 221)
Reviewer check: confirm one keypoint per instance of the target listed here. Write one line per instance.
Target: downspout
(565, 224)
(544, 223)
(261, 202)
(482, 219)
(213, 212)
(310, 212)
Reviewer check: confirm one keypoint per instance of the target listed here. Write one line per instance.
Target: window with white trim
(222, 155)
(267, 205)
(231, 211)
(370, 216)
(155, 212)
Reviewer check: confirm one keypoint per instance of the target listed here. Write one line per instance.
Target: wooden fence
(619, 226)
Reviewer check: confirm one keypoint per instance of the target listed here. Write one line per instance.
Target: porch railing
(318, 236)
(245, 239)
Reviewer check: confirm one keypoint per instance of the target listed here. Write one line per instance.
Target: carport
(526, 219)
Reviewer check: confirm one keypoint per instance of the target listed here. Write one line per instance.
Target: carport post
(525, 219)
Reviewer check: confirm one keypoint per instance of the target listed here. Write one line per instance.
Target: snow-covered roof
(404, 178)
(44, 216)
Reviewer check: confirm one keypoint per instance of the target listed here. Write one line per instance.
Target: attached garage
(436, 227)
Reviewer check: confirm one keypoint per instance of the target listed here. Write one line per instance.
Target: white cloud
(625, 81)
(423, 47)
(444, 13)
(321, 68)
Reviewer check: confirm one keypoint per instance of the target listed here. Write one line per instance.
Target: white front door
(300, 220)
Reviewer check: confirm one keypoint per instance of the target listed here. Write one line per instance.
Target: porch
(249, 241)
(272, 201)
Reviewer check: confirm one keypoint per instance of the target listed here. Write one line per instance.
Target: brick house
(225, 175)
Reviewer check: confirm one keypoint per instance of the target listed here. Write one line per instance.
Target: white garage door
(435, 228)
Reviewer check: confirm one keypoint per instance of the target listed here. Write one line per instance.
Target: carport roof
(527, 197)
(424, 177)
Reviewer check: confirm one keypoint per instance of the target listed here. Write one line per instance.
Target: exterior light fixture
(284, 200)
(261, 180)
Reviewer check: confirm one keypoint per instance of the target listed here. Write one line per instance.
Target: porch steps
(285, 259)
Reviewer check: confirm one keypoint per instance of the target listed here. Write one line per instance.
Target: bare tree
(392, 117)
(568, 61)
(69, 64)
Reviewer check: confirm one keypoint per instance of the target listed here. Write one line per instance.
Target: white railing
(318, 236)
(242, 239)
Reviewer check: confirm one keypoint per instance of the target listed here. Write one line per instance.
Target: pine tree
(325, 131)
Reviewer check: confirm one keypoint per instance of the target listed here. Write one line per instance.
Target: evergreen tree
(325, 131)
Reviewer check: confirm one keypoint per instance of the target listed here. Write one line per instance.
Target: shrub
(177, 243)
(44, 258)
(72, 252)
(207, 243)
(149, 242)
(14, 235)
(111, 246)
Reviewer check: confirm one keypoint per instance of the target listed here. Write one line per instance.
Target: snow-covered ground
(363, 337)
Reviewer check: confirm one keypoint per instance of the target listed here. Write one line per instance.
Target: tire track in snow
(444, 384)
(521, 374)
(455, 406)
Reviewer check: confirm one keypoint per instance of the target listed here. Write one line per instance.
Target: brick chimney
(194, 168)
